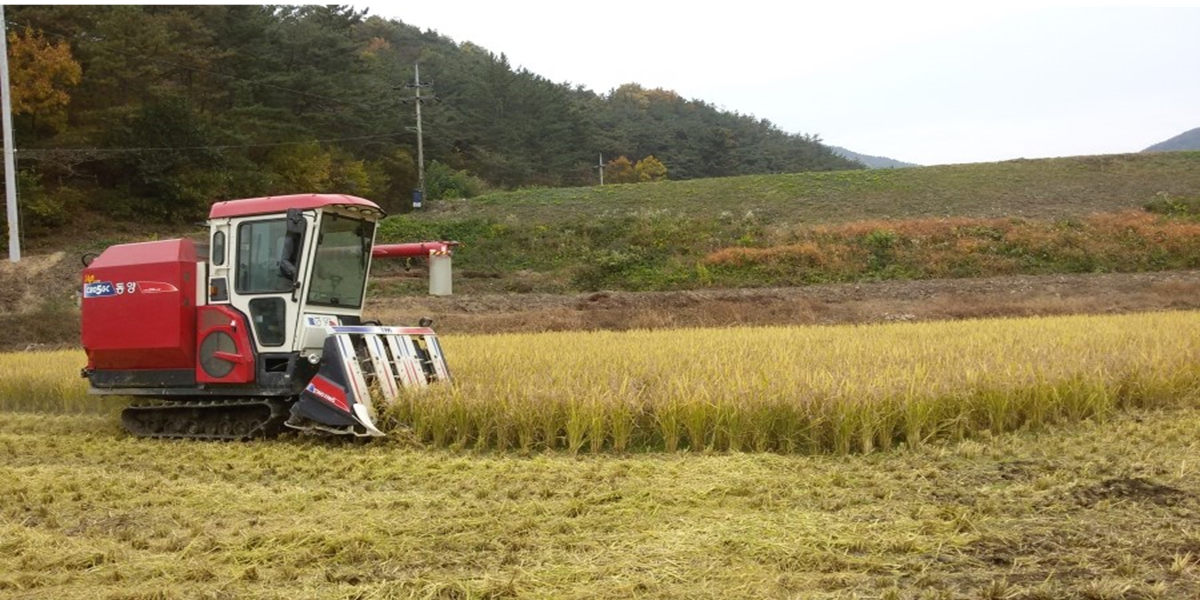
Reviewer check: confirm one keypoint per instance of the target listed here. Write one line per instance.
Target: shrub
(1175, 206)
(444, 183)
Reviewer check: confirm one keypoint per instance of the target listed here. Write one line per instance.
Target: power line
(36, 151)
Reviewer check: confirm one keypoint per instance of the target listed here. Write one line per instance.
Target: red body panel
(139, 307)
(280, 205)
(221, 318)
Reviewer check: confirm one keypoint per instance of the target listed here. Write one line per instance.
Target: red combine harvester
(264, 332)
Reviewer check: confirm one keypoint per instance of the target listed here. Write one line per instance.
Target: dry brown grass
(969, 247)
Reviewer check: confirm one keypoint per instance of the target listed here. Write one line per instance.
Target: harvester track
(229, 420)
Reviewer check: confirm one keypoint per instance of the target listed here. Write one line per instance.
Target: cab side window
(259, 246)
(218, 249)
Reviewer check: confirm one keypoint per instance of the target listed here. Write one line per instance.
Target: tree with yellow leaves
(42, 71)
(650, 169)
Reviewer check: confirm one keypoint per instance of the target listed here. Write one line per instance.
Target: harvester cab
(264, 332)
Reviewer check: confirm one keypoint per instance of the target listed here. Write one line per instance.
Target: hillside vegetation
(1042, 188)
(1080, 214)
(154, 112)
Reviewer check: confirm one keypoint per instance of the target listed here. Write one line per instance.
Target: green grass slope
(1053, 187)
(663, 235)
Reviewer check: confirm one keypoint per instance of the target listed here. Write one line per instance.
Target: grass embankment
(1043, 188)
(657, 236)
(786, 389)
(1089, 511)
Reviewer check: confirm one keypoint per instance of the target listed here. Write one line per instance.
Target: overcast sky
(924, 85)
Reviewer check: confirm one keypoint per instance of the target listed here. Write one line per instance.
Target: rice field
(836, 389)
(45, 382)
(1100, 509)
(839, 389)
(1087, 511)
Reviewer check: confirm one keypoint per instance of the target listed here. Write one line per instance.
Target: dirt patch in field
(1137, 489)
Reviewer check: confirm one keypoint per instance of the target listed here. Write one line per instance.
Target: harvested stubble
(803, 389)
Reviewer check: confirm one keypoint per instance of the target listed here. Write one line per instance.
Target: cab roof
(280, 204)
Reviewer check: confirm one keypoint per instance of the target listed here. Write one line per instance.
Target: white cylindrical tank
(439, 275)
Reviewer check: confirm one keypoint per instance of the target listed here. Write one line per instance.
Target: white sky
(920, 84)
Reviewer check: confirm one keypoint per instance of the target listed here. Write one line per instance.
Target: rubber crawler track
(229, 420)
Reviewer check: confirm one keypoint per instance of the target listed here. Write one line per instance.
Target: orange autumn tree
(41, 73)
(619, 170)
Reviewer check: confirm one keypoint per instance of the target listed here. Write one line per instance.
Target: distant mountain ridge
(1188, 140)
(872, 162)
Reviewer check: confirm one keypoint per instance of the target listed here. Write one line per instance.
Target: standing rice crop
(44, 381)
(835, 389)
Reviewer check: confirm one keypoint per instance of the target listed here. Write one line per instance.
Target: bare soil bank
(37, 303)
(819, 304)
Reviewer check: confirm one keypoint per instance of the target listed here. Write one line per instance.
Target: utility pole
(601, 168)
(418, 99)
(10, 168)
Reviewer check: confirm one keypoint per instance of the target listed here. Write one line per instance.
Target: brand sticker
(331, 395)
(99, 289)
(103, 289)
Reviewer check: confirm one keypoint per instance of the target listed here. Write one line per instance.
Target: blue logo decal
(98, 289)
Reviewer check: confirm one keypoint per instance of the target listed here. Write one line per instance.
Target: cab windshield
(340, 268)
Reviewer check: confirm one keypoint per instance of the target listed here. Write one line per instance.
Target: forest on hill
(156, 111)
